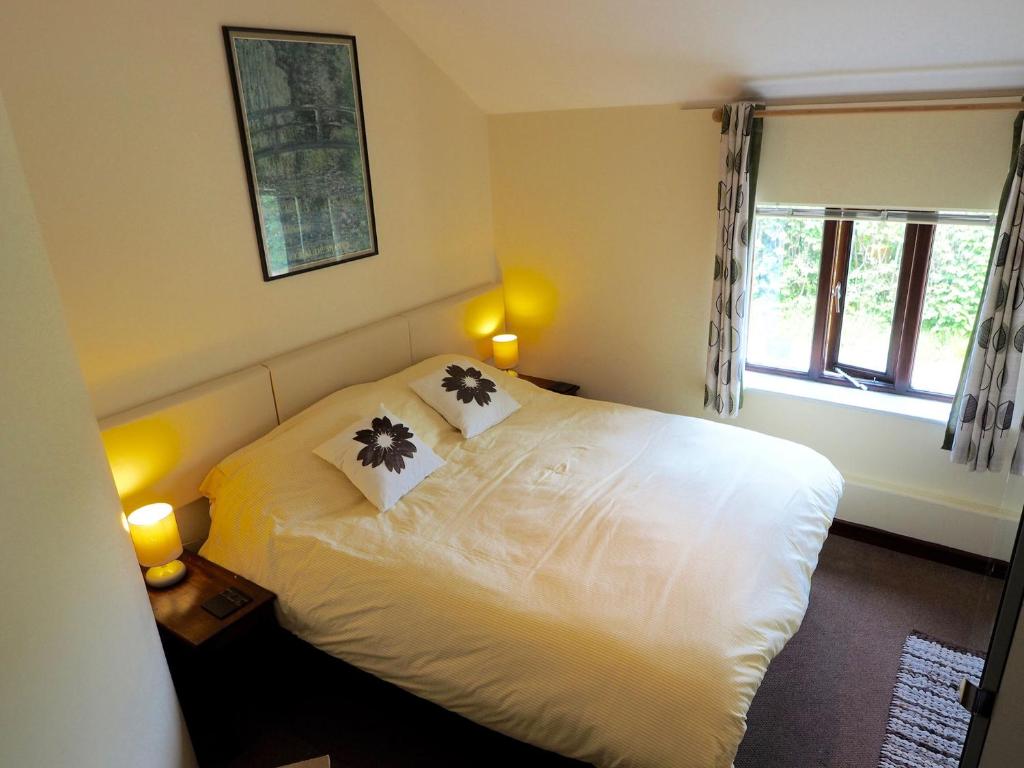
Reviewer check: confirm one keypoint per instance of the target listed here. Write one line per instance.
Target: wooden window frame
(824, 365)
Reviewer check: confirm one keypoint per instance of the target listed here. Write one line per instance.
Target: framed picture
(300, 116)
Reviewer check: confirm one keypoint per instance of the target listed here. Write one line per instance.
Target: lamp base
(511, 372)
(161, 576)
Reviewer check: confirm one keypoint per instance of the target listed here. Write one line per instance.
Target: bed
(603, 581)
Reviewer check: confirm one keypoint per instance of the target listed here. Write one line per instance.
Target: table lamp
(157, 543)
(506, 352)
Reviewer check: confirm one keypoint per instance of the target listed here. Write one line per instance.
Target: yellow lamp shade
(155, 534)
(506, 350)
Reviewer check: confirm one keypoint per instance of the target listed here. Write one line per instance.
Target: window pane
(871, 285)
(956, 273)
(787, 258)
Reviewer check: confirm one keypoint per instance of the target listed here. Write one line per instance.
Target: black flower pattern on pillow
(386, 443)
(468, 384)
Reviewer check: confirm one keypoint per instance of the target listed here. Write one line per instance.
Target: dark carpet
(927, 726)
(823, 704)
(825, 700)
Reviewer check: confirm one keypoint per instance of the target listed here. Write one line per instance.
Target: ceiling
(528, 55)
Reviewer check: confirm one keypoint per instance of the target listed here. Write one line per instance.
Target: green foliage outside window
(788, 259)
(956, 276)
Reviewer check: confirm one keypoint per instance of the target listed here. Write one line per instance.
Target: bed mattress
(603, 581)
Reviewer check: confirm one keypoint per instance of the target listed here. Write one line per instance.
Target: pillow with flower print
(382, 456)
(468, 400)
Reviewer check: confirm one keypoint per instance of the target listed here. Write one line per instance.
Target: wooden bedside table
(213, 661)
(184, 622)
(561, 387)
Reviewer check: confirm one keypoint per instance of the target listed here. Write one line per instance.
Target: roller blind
(940, 161)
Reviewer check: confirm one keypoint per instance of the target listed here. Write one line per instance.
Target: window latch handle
(837, 297)
(858, 384)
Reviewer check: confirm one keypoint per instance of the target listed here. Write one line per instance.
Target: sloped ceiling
(527, 55)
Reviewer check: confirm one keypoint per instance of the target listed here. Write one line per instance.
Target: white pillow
(381, 456)
(466, 398)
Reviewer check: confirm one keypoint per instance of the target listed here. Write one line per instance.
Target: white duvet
(603, 581)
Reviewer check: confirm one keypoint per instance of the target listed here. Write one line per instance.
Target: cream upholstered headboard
(462, 324)
(160, 451)
(305, 375)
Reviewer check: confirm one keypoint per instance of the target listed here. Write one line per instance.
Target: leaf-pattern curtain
(984, 424)
(739, 150)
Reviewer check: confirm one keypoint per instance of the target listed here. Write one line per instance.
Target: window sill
(911, 407)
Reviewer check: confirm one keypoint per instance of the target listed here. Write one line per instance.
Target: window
(882, 300)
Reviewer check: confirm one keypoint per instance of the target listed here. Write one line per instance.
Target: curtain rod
(716, 113)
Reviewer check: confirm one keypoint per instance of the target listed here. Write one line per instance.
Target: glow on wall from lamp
(139, 454)
(482, 318)
(530, 301)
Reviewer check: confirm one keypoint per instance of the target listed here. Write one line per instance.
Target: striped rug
(927, 725)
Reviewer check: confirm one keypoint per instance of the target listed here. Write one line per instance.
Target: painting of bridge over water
(300, 117)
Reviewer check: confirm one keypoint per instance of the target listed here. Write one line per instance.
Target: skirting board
(938, 553)
(977, 532)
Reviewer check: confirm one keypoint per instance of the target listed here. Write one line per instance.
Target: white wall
(897, 479)
(83, 681)
(609, 217)
(125, 121)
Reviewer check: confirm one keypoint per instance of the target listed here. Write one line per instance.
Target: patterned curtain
(739, 150)
(984, 425)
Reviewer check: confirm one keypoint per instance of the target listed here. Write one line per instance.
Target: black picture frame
(316, 134)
